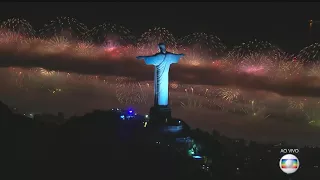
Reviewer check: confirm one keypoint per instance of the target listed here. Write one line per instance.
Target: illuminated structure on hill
(162, 62)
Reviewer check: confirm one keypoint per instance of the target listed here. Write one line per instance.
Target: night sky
(284, 24)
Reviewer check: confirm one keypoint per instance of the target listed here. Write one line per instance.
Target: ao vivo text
(289, 151)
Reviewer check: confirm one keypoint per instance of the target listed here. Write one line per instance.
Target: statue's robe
(162, 62)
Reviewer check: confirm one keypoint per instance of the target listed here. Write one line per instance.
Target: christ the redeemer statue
(162, 62)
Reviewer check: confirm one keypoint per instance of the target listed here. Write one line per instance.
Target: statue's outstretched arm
(179, 55)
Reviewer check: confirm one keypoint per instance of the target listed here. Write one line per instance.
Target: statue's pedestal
(160, 114)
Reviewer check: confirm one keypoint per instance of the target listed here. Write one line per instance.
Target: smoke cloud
(133, 68)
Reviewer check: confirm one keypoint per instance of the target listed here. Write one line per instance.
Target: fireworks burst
(8, 37)
(251, 47)
(313, 116)
(225, 64)
(31, 45)
(256, 63)
(129, 91)
(110, 32)
(57, 44)
(45, 72)
(255, 109)
(311, 53)
(129, 51)
(174, 85)
(55, 90)
(193, 58)
(314, 69)
(297, 103)
(201, 97)
(110, 45)
(288, 66)
(148, 43)
(19, 26)
(84, 48)
(19, 76)
(66, 27)
(192, 101)
(29, 41)
(229, 94)
(206, 46)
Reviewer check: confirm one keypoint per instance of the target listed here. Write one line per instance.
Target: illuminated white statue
(162, 62)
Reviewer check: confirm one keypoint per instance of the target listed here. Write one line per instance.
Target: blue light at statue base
(197, 157)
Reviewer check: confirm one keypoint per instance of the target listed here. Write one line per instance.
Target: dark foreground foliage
(95, 146)
(99, 145)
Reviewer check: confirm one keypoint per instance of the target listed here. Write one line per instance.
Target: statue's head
(162, 47)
